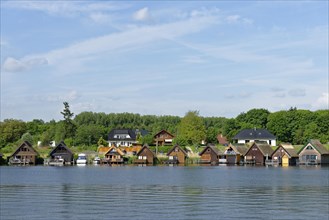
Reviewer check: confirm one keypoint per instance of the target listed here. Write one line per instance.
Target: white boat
(97, 160)
(82, 159)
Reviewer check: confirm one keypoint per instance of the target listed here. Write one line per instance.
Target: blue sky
(163, 58)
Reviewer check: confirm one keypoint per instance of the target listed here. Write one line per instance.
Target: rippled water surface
(161, 192)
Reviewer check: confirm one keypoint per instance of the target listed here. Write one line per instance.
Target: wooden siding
(177, 152)
(307, 156)
(159, 139)
(209, 156)
(254, 154)
(145, 152)
(279, 153)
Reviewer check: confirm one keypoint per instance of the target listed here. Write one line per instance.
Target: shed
(235, 153)
(210, 155)
(114, 155)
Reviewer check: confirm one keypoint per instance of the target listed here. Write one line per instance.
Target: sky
(221, 58)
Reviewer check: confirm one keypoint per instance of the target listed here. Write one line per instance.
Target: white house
(254, 135)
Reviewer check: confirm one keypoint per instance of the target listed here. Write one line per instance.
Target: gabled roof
(116, 149)
(173, 148)
(146, 147)
(164, 132)
(27, 144)
(288, 148)
(239, 148)
(222, 139)
(317, 145)
(132, 133)
(254, 134)
(61, 144)
(264, 148)
(102, 149)
(213, 148)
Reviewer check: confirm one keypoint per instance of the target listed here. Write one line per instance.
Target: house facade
(285, 155)
(254, 135)
(176, 155)
(124, 137)
(145, 156)
(24, 154)
(258, 153)
(313, 153)
(163, 138)
(61, 152)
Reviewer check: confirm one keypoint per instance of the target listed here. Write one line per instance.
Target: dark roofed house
(258, 153)
(176, 155)
(285, 155)
(313, 153)
(235, 153)
(124, 137)
(210, 155)
(145, 156)
(24, 154)
(253, 135)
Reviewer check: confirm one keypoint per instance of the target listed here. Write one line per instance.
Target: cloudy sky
(162, 58)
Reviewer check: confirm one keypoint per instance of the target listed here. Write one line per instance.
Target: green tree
(69, 126)
(191, 129)
(11, 130)
(102, 142)
(27, 137)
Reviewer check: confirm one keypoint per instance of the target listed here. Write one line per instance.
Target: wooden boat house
(313, 153)
(258, 153)
(235, 153)
(210, 155)
(145, 156)
(25, 154)
(163, 138)
(285, 155)
(60, 155)
(176, 155)
(114, 156)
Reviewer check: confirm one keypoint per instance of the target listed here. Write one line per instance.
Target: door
(285, 161)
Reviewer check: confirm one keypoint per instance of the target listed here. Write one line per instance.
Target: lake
(164, 192)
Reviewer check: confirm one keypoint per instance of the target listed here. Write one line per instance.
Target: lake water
(163, 192)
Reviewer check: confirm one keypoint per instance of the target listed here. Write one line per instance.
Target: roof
(116, 150)
(213, 148)
(28, 144)
(102, 149)
(317, 145)
(164, 132)
(265, 148)
(146, 147)
(254, 134)
(222, 139)
(61, 144)
(239, 148)
(290, 150)
(173, 148)
(132, 133)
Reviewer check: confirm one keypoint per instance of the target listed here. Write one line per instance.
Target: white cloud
(194, 59)
(142, 14)
(99, 17)
(322, 102)
(233, 18)
(14, 65)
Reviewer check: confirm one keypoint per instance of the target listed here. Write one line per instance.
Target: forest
(90, 129)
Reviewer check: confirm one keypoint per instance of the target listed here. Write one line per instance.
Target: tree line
(296, 126)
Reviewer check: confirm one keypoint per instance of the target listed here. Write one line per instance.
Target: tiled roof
(254, 134)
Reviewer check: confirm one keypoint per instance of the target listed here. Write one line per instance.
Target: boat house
(210, 155)
(235, 153)
(61, 154)
(176, 155)
(285, 155)
(114, 156)
(25, 154)
(313, 153)
(145, 156)
(258, 153)
(254, 135)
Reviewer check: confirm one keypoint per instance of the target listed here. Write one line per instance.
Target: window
(309, 148)
(144, 157)
(140, 157)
